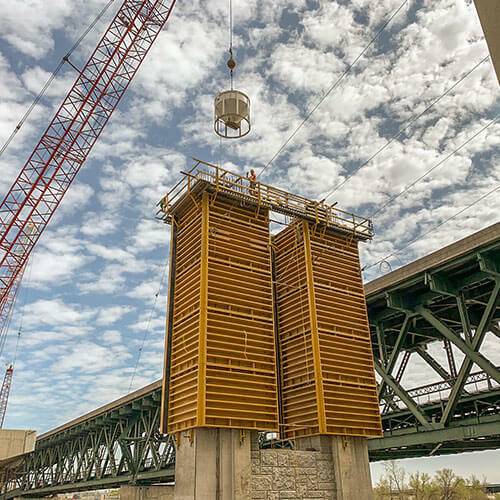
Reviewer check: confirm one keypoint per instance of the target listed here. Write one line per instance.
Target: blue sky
(88, 296)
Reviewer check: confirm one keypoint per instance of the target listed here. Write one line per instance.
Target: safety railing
(204, 175)
(440, 390)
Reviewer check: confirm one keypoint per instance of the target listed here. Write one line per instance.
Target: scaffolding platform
(205, 176)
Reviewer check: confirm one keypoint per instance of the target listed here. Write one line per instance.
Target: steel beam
(457, 432)
(433, 363)
(451, 359)
(395, 351)
(467, 362)
(144, 478)
(464, 316)
(470, 352)
(382, 348)
(403, 395)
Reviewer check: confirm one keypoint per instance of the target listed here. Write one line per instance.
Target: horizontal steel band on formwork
(205, 176)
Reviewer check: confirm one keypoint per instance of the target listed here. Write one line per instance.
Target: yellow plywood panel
(222, 363)
(328, 378)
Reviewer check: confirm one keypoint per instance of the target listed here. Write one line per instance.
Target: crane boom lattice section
(65, 145)
(4, 393)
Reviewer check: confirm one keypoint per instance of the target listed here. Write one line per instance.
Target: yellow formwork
(328, 382)
(222, 362)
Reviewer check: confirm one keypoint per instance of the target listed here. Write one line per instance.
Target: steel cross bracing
(65, 145)
(119, 443)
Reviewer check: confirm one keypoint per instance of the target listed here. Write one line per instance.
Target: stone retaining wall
(290, 474)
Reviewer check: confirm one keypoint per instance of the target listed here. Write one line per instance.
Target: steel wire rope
(404, 128)
(333, 87)
(438, 164)
(148, 325)
(22, 309)
(52, 77)
(231, 42)
(432, 229)
(230, 25)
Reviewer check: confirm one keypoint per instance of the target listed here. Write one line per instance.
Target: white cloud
(56, 312)
(104, 242)
(109, 315)
(150, 235)
(89, 357)
(112, 337)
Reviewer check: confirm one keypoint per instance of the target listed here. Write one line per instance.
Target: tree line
(397, 484)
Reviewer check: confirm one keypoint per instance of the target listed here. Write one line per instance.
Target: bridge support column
(156, 492)
(213, 464)
(351, 468)
(350, 464)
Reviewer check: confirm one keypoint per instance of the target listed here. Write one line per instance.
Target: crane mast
(70, 136)
(4, 393)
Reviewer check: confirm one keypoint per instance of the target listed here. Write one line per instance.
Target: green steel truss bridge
(429, 322)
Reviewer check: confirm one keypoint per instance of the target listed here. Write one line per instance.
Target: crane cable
(438, 164)
(231, 63)
(148, 325)
(333, 87)
(25, 286)
(230, 25)
(414, 240)
(53, 75)
(404, 128)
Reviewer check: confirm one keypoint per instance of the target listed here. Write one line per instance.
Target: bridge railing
(480, 379)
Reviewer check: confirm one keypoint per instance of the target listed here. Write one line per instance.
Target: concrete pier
(213, 464)
(155, 492)
(351, 468)
(224, 464)
(350, 464)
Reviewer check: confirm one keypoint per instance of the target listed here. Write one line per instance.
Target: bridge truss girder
(456, 305)
(123, 446)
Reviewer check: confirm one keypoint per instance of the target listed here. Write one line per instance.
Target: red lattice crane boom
(4, 393)
(65, 145)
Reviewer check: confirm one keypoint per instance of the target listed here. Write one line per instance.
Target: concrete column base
(213, 464)
(226, 464)
(156, 492)
(351, 468)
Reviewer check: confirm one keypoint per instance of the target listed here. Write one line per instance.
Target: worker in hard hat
(252, 179)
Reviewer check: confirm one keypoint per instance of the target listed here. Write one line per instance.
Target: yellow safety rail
(237, 186)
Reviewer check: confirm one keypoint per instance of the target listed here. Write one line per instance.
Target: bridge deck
(451, 253)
